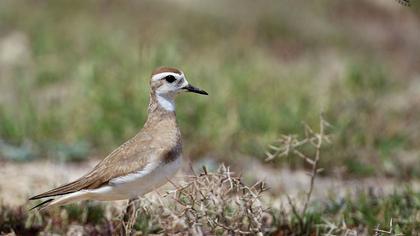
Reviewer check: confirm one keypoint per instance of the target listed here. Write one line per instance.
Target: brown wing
(131, 156)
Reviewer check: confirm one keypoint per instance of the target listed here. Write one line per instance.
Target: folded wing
(126, 159)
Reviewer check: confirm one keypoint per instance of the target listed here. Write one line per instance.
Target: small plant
(211, 204)
(292, 144)
(391, 231)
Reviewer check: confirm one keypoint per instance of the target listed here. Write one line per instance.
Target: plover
(143, 163)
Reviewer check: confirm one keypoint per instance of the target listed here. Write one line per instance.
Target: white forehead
(162, 75)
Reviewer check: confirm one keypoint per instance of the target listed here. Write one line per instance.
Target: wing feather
(128, 158)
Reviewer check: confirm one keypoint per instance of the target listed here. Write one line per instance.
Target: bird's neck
(161, 108)
(166, 102)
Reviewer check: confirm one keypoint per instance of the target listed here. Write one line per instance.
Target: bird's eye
(170, 78)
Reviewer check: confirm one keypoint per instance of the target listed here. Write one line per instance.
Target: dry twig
(211, 203)
(291, 144)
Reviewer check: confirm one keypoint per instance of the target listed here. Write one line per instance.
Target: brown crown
(166, 69)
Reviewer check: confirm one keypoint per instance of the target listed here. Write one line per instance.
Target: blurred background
(74, 86)
(74, 80)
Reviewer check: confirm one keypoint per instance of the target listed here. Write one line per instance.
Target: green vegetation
(77, 84)
(363, 214)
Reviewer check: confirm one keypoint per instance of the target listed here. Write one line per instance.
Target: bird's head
(167, 82)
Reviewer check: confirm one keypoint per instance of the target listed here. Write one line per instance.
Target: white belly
(138, 183)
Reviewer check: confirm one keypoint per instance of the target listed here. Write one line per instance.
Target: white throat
(166, 102)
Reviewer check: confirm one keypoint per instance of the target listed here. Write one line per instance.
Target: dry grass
(292, 144)
(203, 204)
(210, 203)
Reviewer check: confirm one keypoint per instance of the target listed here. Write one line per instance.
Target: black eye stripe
(170, 78)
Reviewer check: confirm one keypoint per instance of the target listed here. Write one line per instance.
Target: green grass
(362, 214)
(82, 86)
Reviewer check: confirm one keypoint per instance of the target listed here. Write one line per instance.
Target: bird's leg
(129, 217)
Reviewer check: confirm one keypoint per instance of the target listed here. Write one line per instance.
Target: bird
(143, 163)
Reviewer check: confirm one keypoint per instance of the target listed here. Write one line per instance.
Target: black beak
(193, 89)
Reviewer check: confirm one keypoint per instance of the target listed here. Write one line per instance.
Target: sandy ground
(19, 181)
(295, 184)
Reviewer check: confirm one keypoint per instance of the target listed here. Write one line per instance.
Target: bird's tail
(62, 200)
(41, 205)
